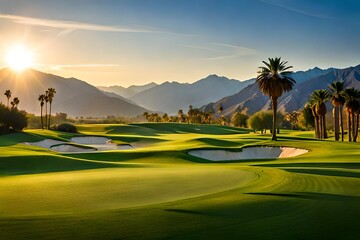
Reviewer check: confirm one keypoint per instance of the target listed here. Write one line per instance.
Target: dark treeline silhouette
(11, 118)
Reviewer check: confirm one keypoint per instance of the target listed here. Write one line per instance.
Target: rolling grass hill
(157, 191)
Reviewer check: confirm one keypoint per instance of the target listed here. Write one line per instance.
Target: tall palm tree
(318, 99)
(352, 106)
(46, 103)
(273, 80)
(41, 99)
(337, 100)
(51, 93)
(8, 96)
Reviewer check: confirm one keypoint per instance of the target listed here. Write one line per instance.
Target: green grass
(158, 191)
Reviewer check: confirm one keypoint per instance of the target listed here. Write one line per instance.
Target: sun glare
(19, 58)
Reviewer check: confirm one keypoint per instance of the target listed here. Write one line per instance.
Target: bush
(11, 119)
(65, 127)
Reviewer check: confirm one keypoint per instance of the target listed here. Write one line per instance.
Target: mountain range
(129, 91)
(169, 97)
(78, 98)
(251, 99)
(73, 96)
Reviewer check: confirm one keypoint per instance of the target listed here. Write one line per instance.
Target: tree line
(11, 118)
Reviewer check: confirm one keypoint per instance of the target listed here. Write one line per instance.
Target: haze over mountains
(129, 91)
(74, 97)
(169, 97)
(251, 100)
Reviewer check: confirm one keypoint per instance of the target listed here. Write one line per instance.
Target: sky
(134, 42)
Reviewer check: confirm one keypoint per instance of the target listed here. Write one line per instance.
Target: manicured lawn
(158, 191)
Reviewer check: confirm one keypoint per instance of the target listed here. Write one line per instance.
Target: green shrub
(65, 127)
(12, 119)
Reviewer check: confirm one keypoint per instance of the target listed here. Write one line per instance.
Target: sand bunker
(90, 140)
(47, 143)
(71, 148)
(90, 144)
(248, 153)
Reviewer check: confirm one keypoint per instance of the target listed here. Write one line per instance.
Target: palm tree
(15, 102)
(46, 103)
(190, 114)
(51, 93)
(273, 80)
(180, 115)
(41, 99)
(220, 110)
(352, 106)
(8, 96)
(310, 104)
(318, 99)
(337, 100)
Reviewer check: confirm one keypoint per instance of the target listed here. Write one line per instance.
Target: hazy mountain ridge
(129, 91)
(74, 97)
(169, 97)
(252, 100)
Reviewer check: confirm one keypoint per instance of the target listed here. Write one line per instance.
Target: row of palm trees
(45, 99)
(274, 79)
(14, 103)
(340, 97)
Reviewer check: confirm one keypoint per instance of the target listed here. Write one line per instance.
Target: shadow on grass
(185, 211)
(347, 165)
(310, 196)
(44, 164)
(325, 172)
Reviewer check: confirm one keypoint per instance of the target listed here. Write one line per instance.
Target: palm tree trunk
(353, 126)
(49, 115)
(321, 123)
(324, 127)
(46, 114)
(341, 123)
(349, 125)
(41, 116)
(336, 123)
(274, 106)
(356, 127)
(316, 122)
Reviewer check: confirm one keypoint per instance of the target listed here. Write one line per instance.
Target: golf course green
(156, 190)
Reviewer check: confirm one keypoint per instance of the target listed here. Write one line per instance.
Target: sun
(19, 58)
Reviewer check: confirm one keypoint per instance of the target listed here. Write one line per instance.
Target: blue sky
(128, 42)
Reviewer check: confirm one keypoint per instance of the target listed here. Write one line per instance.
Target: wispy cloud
(224, 51)
(70, 26)
(297, 10)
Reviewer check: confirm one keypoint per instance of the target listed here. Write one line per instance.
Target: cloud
(70, 26)
(224, 51)
(296, 10)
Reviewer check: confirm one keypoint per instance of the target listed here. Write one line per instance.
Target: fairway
(156, 190)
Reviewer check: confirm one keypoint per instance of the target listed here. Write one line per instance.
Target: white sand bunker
(89, 143)
(71, 148)
(47, 143)
(248, 153)
(90, 140)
